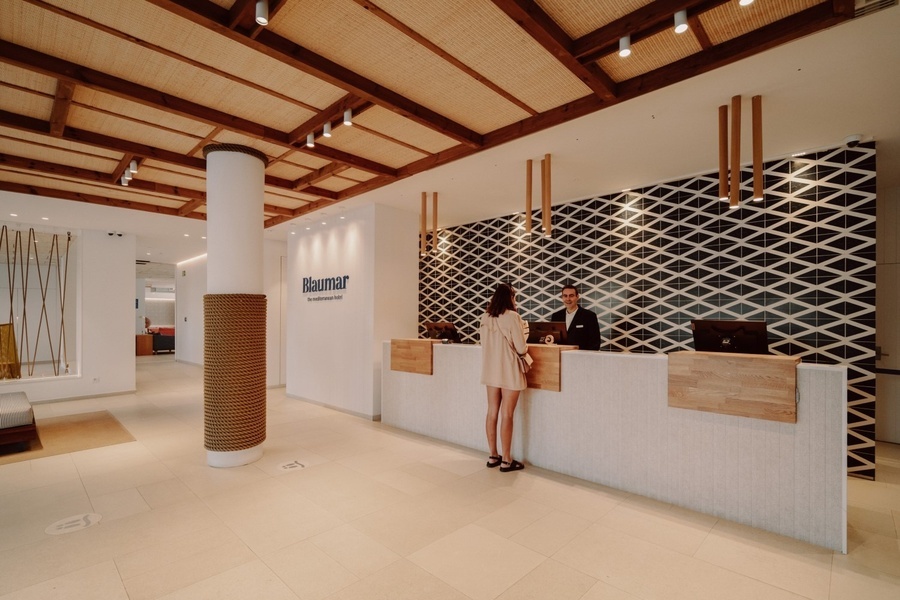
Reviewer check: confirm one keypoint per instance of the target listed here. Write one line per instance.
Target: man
(581, 324)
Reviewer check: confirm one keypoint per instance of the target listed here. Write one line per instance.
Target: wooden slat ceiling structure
(87, 86)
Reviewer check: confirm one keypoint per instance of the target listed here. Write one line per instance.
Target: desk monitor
(747, 337)
(442, 331)
(540, 331)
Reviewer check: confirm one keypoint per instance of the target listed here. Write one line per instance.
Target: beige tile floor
(377, 513)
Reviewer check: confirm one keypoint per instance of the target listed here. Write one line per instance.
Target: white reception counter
(611, 424)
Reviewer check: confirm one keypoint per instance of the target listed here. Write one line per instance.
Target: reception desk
(611, 424)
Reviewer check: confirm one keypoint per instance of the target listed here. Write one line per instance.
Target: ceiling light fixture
(132, 166)
(625, 46)
(681, 22)
(348, 117)
(262, 12)
(745, 2)
(326, 131)
(124, 179)
(310, 140)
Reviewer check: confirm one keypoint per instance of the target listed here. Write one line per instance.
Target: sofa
(163, 339)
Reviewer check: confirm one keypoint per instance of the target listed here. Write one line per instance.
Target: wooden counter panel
(545, 373)
(413, 356)
(745, 385)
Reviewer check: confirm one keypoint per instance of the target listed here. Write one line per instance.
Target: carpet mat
(68, 433)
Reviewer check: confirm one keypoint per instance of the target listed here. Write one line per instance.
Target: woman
(502, 338)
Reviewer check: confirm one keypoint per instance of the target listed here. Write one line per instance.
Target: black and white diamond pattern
(648, 261)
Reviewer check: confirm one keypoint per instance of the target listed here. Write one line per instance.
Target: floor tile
(550, 579)
(250, 580)
(96, 581)
(400, 580)
(308, 571)
(477, 562)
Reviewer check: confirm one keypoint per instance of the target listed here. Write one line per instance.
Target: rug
(69, 433)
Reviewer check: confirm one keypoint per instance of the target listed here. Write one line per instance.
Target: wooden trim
(744, 385)
(735, 191)
(723, 152)
(757, 148)
(413, 356)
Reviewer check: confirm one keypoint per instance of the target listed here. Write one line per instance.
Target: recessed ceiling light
(324, 223)
(307, 228)
(342, 217)
(45, 218)
(187, 235)
(148, 254)
(203, 237)
(293, 233)
(13, 215)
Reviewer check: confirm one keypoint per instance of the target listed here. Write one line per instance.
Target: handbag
(525, 360)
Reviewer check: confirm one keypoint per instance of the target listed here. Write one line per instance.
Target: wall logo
(325, 288)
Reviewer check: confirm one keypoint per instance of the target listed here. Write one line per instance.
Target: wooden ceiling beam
(319, 175)
(639, 24)
(811, 20)
(545, 31)
(19, 188)
(70, 72)
(328, 114)
(215, 18)
(804, 23)
(62, 102)
(92, 79)
(423, 41)
(32, 125)
(332, 154)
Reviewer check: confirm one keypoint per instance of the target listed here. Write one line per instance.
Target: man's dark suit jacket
(584, 330)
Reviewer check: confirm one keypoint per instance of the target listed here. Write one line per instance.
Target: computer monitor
(442, 331)
(547, 332)
(746, 337)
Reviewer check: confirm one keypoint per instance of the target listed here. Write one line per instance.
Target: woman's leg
(507, 410)
(490, 422)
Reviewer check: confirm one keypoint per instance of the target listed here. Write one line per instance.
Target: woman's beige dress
(499, 363)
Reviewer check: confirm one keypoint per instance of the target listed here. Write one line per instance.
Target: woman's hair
(501, 301)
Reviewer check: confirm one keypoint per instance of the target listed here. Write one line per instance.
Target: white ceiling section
(816, 91)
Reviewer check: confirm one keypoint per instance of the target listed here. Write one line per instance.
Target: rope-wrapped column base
(234, 371)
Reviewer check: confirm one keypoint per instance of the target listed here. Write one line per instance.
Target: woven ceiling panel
(26, 103)
(649, 54)
(580, 17)
(51, 142)
(308, 162)
(336, 184)
(191, 181)
(61, 156)
(286, 170)
(144, 114)
(485, 39)
(373, 147)
(121, 128)
(374, 49)
(357, 175)
(111, 190)
(731, 20)
(400, 128)
(27, 79)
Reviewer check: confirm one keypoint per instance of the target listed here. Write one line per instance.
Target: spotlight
(625, 46)
(348, 117)
(852, 141)
(326, 131)
(132, 166)
(124, 179)
(310, 140)
(681, 22)
(262, 12)
(745, 2)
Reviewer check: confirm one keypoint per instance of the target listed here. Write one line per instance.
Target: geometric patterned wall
(649, 260)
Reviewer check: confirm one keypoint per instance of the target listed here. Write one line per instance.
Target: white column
(234, 202)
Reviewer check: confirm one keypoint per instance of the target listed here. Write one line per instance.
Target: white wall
(190, 287)
(334, 346)
(104, 341)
